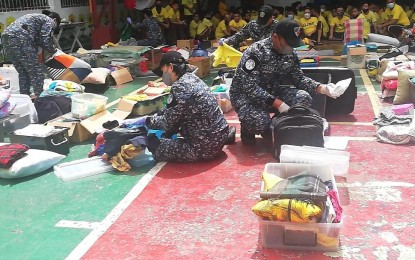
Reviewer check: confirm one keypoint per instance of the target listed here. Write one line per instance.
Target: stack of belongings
(119, 143)
(396, 124)
(390, 77)
(308, 58)
(302, 198)
(6, 107)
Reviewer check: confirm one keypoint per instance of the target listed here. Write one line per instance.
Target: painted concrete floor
(203, 210)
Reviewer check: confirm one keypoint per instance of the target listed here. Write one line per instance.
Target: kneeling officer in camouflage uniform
(192, 111)
(256, 89)
(21, 41)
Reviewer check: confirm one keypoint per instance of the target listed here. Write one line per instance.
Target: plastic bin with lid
(221, 94)
(337, 160)
(300, 236)
(87, 104)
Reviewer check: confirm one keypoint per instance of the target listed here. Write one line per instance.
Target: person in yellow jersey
(236, 24)
(290, 15)
(189, 8)
(325, 12)
(203, 28)
(223, 8)
(357, 14)
(223, 31)
(323, 27)
(177, 27)
(169, 6)
(412, 17)
(397, 20)
(298, 9)
(309, 25)
(193, 25)
(410, 10)
(337, 27)
(279, 13)
(370, 17)
(216, 18)
(159, 11)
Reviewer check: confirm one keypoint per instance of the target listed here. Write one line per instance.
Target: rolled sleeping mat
(373, 37)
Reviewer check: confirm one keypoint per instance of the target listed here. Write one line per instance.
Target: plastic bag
(126, 32)
(227, 55)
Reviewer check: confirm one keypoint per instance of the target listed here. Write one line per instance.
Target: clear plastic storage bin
(300, 236)
(86, 105)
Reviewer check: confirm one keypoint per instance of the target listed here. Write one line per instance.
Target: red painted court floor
(203, 210)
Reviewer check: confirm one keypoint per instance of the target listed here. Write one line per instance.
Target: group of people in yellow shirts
(317, 23)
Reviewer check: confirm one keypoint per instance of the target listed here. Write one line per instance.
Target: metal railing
(22, 5)
(74, 3)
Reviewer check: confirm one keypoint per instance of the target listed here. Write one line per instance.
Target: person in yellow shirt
(216, 18)
(279, 13)
(309, 25)
(223, 8)
(322, 27)
(223, 31)
(370, 17)
(169, 6)
(246, 15)
(298, 9)
(357, 14)
(290, 14)
(177, 28)
(410, 10)
(397, 20)
(159, 11)
(189, 8)
(203, 29)
(193, 26)
(337, 27)
(236, 24)
(326, 13)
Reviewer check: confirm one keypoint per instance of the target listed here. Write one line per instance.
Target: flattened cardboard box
(122, 76)
(203, 63)
(85, 129)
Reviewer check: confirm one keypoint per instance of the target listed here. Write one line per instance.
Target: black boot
(247, 138)
(231, 135)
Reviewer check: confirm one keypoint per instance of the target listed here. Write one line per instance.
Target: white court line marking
(77, 224)
(373, 96)
(105, 224)
(349, 138)
(333, 123)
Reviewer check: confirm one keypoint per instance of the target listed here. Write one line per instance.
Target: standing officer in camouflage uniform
(21, 41)
(255, 90)
(151, 26)
(258, 29)
(192, 111)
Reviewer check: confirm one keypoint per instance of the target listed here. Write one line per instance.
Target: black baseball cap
(167, 58)
(290, 31)
(264, 13)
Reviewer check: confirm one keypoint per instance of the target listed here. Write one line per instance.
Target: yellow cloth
(140, 97)
(190, 4)
(270, 180)
(215, 21)
(326, 241)
(237, 25)
(366, 25)
(309, 25)
(300, 211)
(203, 26)
(339, 24)
(223, 9)
(174, 16)
(193, 28)
(220, 30)
(397, 13)
(225, 54)
(160, 16)
(127, 152)
(371, 17)
(326, 27)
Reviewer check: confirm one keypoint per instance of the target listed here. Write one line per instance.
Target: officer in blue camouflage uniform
(151, 27)
(21, 41)
(255, 90)
(258, 29)
(192, 111)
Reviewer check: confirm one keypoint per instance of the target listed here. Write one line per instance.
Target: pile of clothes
(6, 107)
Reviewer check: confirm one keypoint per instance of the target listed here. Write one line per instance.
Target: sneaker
(231, 135)
(247, 138)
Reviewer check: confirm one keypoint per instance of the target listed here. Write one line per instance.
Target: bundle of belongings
(119, 143)
(396, 124)
(6, 107)
(302, 198)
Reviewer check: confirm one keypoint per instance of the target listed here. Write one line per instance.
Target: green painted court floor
(32, 206)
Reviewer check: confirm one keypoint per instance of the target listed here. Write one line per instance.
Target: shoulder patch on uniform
(251, 63)
(170, 98)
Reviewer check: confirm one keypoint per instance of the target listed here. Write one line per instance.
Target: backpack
(51, 107)
(300, 126)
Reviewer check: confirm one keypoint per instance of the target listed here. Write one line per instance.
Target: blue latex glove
(129, 20)
(221, 41)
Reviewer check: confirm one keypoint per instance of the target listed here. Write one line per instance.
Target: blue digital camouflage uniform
(252, 30)
(21, 41)
(192, 111)
(257, 81)
(152, 28)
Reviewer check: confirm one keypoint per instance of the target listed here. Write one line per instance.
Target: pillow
(6, 109)
(34, 162)
(406, 91)
(389, 84)
(97, 76)
(4, 96)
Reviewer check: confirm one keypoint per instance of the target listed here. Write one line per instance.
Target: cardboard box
(203, 63)
(225, 105)
(80, 131)
(188, 44)
(153, 57)
(356, 57)
(122, 76)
